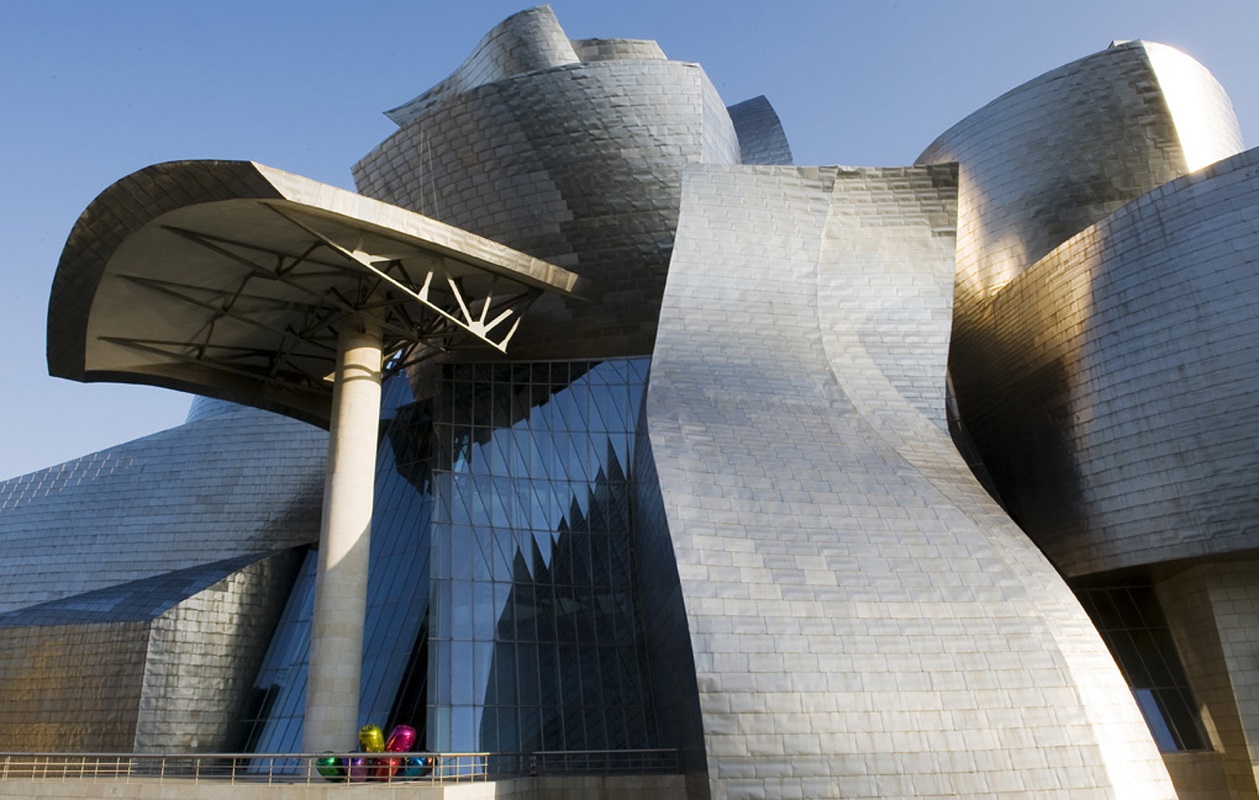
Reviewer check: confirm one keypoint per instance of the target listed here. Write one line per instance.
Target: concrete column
(336, 635)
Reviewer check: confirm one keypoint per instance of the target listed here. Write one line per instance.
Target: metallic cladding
(71, 688)
(524, 42)
(1112, 392)
(863, 618)
(830, 604)
(237, 483)
(203, 654)
(761, 136)
(578, 164)
(1051, 157)
(590, 50)
(139, 590)
(159, 665)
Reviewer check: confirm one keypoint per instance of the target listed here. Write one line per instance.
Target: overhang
(231, 279)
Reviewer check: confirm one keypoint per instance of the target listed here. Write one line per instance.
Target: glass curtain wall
(535, 642)
(502, 598)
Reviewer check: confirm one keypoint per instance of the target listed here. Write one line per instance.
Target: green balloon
(331, 767)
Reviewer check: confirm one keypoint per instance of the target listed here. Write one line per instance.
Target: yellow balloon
(372, 739)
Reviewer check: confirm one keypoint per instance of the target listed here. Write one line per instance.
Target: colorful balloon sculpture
(359, 769)
(401, 739)
(417, 767)
(371, 739)
(331, 767)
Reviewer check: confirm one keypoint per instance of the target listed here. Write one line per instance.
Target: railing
(290, 768)
(601, 762)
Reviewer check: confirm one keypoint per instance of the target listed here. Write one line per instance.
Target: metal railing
(601, 762)
(290, 768)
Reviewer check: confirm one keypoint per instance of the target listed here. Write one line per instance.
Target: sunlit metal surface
(131, 665)
(244, 275)
(1112, 395)
(235, 483)
(833, 606)
(571, 153)
(848, 587)
(1055, 155)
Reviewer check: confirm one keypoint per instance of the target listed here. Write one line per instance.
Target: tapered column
(336, 634)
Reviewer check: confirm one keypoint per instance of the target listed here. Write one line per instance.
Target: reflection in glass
(501, 600)
(1133, 626)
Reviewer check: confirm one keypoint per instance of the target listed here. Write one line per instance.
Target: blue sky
(93, 91)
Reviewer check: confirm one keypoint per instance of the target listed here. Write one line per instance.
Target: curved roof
(1124, 370)
(1053, 156)
(529, 40)
(230, 279)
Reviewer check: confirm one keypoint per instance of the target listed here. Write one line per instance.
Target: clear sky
(95, 90)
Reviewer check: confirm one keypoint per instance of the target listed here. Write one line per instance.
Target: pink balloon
(401, 739)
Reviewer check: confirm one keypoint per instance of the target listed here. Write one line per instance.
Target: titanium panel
(237, 483)
(761, 136)
(591, 50)
(1055, 155)
(579, 164)
(865, 621)
(154, 665)
(71, 688)
(1112, 395)
(524, 42)
(203, 407)
(1201, 110)
(203, 654)
(834, 606)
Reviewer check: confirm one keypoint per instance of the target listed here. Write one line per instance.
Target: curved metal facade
(525, 42)
(1112, 397)
(1051, 157)
(864, 620)
(240, 482)
(143, 583)
(762, 139)
(247, 274)
(579, 164)
(1101, 375)
(1082, 326)
(777, 561)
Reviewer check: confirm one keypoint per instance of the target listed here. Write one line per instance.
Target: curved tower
(571, 154)
(1051, 157)
(1102, 376)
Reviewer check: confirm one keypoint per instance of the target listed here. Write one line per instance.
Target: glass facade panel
(501, 599)
(1133, 626)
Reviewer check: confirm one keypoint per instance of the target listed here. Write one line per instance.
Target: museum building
(591, 423)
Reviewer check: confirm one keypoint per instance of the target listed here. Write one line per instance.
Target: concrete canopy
(232, 279)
